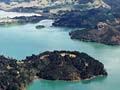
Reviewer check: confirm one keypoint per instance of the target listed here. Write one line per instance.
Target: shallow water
(24, 40)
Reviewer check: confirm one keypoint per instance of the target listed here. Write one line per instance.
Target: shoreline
(37, 67)
(24, 14)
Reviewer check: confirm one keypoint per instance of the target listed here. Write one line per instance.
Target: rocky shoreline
(56, 65)
(100, 25)
(104, 33)
(21, 20)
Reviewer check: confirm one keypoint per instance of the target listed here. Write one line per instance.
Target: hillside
(56, 65)
(56, 4)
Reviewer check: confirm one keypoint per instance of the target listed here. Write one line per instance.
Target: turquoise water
(21, 41)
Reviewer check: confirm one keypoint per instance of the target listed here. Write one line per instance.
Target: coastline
(33, 68)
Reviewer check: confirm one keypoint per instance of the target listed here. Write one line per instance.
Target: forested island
(56, 65)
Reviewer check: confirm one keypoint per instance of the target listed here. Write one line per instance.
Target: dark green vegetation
(57, 65)
(21, 20)
(40, 26)
(101, 24)
(82, 19)
(13, 75)
(104, 33)
(29, 19)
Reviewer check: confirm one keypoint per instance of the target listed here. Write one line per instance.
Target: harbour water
(24, 40)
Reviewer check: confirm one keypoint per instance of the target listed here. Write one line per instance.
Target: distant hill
(8, 1)
(58, 5)
(43, 3)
